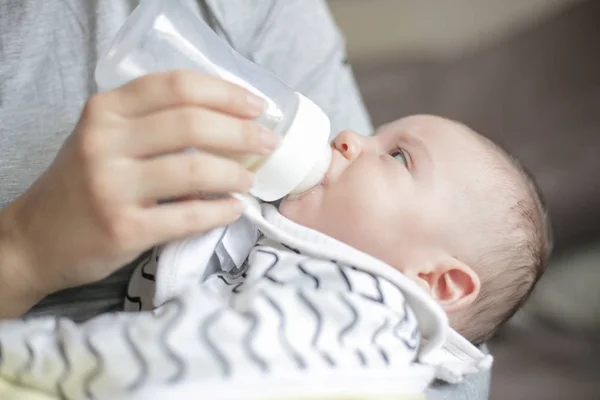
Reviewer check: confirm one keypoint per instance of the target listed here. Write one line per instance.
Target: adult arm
(18, 289)
(97, 206)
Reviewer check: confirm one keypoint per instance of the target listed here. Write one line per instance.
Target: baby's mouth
(332, 172)
(324, 182)
(298, 196)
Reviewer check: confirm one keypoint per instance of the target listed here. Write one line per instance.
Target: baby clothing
(302, 315)
(311, 261)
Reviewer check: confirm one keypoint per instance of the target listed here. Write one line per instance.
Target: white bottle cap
(302, 158)
(317, 172)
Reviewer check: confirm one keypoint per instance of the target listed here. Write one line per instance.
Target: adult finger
(180, 128)
(190, 172)
(180, 219)
(159, 91)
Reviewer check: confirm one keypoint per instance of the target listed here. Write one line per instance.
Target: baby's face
(400, 195)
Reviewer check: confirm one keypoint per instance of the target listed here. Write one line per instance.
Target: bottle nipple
(317, 173)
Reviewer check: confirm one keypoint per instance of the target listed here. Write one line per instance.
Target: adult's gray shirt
(48, 52)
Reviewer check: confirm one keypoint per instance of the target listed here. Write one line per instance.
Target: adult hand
(97, 206)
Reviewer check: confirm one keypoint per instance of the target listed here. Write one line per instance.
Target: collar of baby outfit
(453, 355)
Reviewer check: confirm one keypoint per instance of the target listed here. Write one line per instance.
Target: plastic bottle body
(165, 35)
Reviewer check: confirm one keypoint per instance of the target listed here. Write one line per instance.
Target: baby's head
(445, 206)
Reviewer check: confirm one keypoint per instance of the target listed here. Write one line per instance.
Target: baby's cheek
(301, 210)
(288, 209)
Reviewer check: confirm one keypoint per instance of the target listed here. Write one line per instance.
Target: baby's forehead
(444, 139)
(470, 162)
(428, 127)
(483, 178)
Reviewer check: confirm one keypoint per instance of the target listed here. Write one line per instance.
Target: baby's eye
(401, 155)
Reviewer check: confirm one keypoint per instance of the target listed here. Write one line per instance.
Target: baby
(316, 307)
(445, 206)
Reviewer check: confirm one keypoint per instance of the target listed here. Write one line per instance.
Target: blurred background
(525, 73)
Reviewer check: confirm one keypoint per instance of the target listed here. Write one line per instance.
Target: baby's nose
(349, 144)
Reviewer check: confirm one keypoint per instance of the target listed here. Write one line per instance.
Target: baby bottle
(163, 35)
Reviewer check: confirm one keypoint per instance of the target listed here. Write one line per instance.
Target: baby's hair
(521, 246)
(517, 245)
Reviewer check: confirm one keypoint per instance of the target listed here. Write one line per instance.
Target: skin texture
(406, 196)
(104, 188)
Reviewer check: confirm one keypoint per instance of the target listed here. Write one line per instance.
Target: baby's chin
(290, 207)
(300, 207)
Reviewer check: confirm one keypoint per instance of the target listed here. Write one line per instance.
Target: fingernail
(255, 103)
(269, 140)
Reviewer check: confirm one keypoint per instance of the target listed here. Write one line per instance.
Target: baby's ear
(452, 283)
